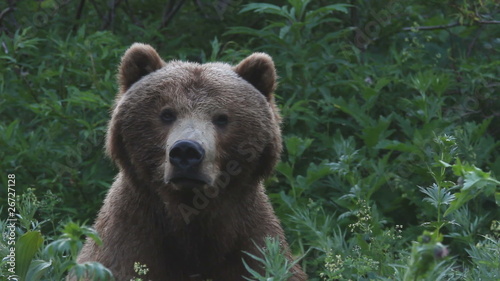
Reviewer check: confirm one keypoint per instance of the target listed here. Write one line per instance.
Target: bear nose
(186, 154)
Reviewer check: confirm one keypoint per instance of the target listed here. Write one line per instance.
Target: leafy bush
(390, 126)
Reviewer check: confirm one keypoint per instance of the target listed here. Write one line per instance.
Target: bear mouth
(187, 181)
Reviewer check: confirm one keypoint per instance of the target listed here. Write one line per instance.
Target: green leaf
(261, 7)
(215, 48)
(478, 179)
(381, 83)
(11, 128)
(284, 31)
(476, 182)
(372, 135)
(26, 248)
(327, 9)
(9, 58)
(355, 110)
(37, 269)
(317, 172)
(445, 164)
(269, 9)
(296, 147)
(94, 269)
(242, 30)
(437, 196)
(397, 146)
(285, 169)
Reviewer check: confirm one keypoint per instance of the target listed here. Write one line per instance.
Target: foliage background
(391, 124)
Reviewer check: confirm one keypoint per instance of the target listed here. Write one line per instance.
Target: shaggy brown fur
(189, 222)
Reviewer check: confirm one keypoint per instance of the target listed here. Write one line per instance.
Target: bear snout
(186, 154)
(186, 158)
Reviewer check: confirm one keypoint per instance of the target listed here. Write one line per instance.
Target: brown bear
(193, 144)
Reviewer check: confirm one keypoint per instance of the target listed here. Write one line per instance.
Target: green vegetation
(391, 125)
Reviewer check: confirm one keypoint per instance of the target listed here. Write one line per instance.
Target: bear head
(180, 126)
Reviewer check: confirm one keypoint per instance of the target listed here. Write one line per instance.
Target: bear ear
(258, 69)
(138, 61)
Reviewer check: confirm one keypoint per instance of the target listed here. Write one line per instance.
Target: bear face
(204, 126)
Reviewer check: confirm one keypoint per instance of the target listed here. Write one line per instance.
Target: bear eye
(221, 120)
(168, 116)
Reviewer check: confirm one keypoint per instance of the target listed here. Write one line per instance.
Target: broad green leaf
(381, 83)
(261, 7)
(269, 9)
(372, 135)
(94, 269)
(343, 8)
(397, 146)
(285, 169)
(476, 182)
(9, 58)
(11, 128)
(37, 269)
(26, 247)
(296, 146)
(284, 31)
(244, 30)
(477, 178)
(355, 110)
(317, 172)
